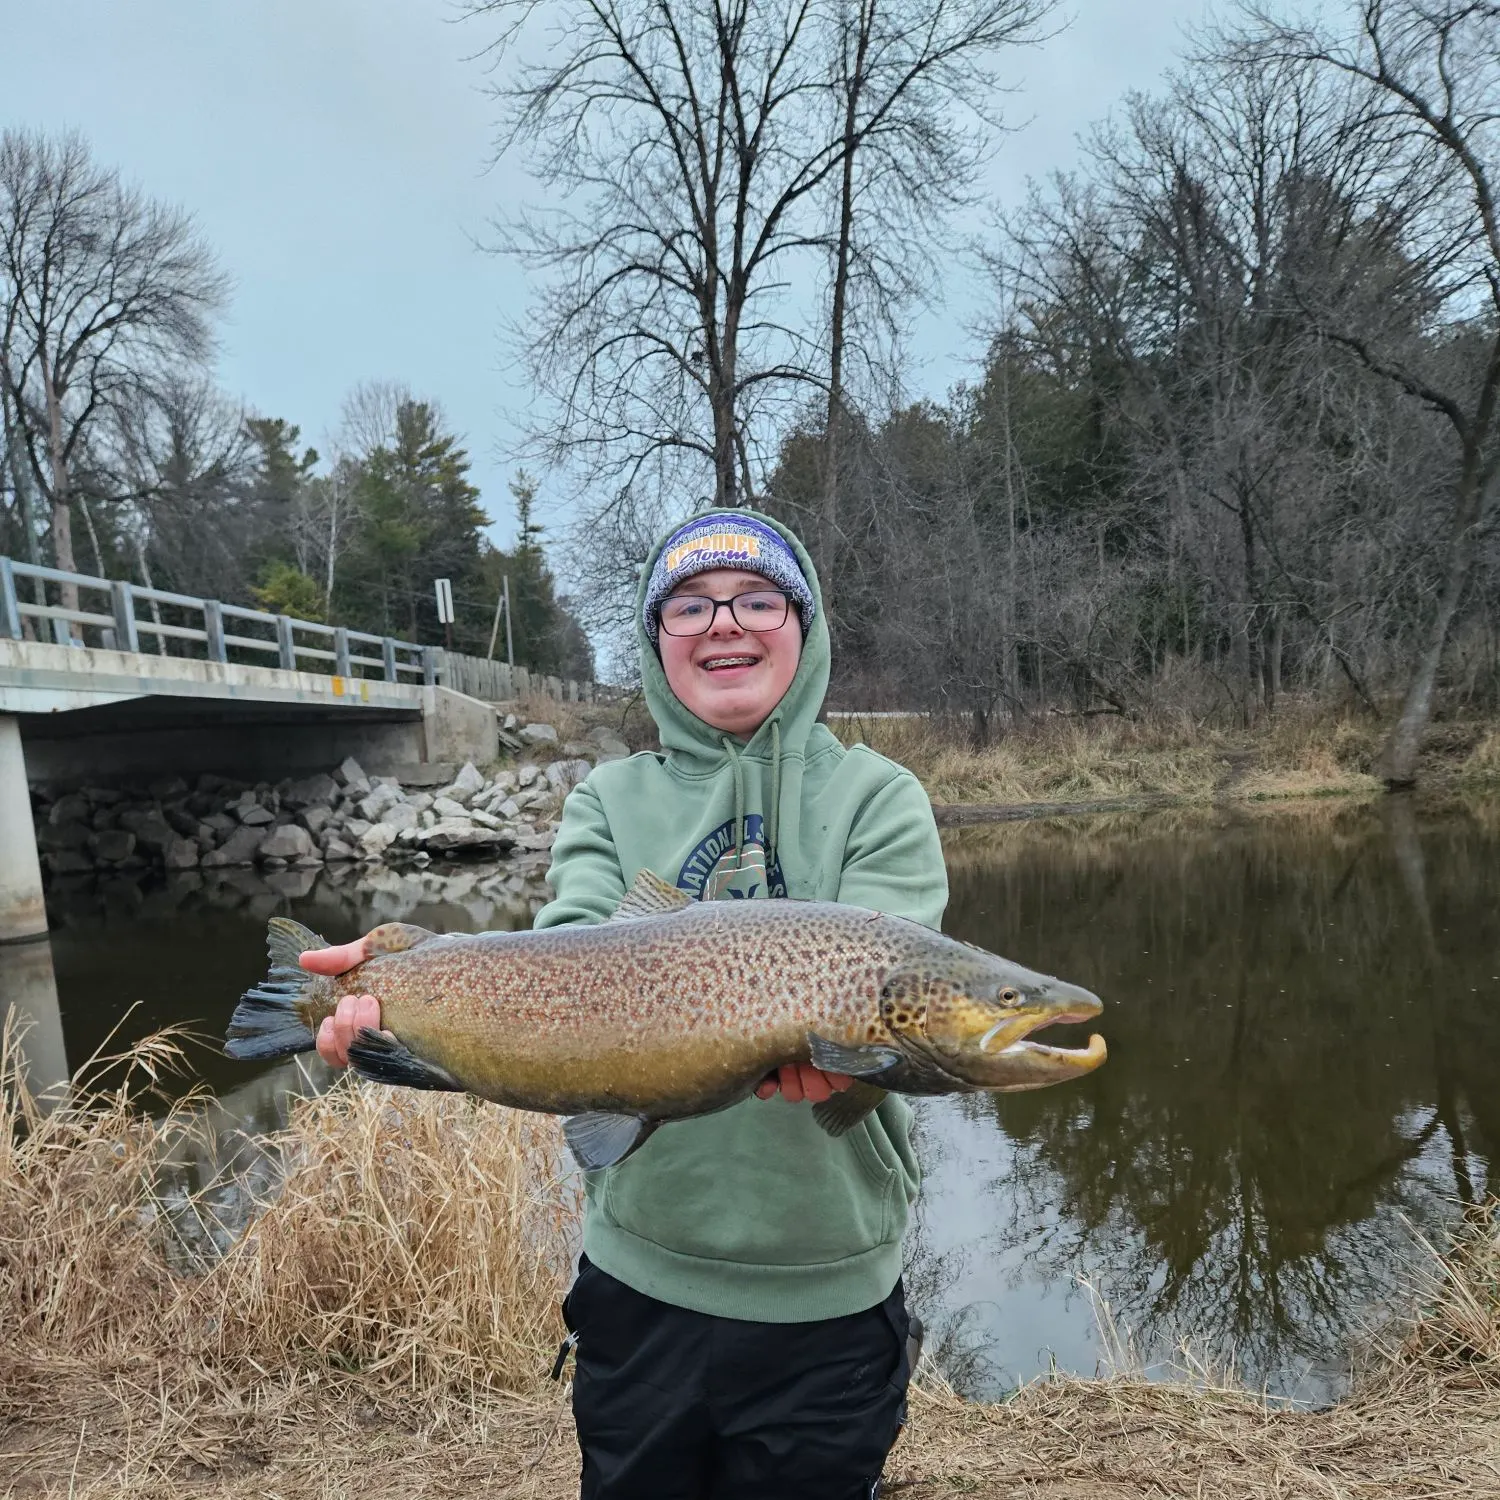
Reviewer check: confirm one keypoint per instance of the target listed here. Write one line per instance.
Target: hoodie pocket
(759, 1184)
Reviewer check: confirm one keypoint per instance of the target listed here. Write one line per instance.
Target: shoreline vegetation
(384, 1326)
(1066, 764)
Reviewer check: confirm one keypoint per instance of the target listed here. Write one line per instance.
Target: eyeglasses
(694, 614)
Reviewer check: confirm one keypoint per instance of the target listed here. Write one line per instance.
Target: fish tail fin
(275, 1018)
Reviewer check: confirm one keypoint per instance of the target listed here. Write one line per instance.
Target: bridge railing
(121, 628)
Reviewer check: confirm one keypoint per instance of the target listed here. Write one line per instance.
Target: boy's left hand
(799, 1081)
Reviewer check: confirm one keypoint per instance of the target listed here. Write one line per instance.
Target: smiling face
(731, 677)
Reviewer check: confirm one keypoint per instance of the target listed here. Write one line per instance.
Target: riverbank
(384, 1326)
(1168, 758)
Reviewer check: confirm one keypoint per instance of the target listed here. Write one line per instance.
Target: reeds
(382, 1327)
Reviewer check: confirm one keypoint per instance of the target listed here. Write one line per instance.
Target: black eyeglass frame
(729, 604)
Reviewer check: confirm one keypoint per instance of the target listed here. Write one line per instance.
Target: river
(1303, 1013)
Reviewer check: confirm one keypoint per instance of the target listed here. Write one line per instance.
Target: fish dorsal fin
(395, 937)
(650, 896)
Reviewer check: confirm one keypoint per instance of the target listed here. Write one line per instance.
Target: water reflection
(1303, 1030)
(29, 1006)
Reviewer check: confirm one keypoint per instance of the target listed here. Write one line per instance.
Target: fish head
(970, 1015)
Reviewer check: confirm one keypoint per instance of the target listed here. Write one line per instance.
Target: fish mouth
(1075, 1006)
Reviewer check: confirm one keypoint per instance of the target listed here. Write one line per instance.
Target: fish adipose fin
(381, 1058)
(268, 1021)
(601, 1139)
(650, 896)
(844, 1111)
(834, 1057)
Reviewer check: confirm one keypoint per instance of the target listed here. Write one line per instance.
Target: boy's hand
(799, 1081)
(354, 1011)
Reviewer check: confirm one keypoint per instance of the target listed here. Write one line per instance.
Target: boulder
(510, 808)
(68, 862)
(181, 854)
(314, 819)
(400, 817)
(240, 848)
(468, 781)
(446, 807)
(64, 836)
(505, 781)
(181, 819)
(376, 840)
(153, 833)
(166, 787)
(483, 819)
(309, 791)
(612, 749)
(290, 841)
(255, 816)
(511, 722)
(450, 836)
(335, 851)
(356, 828)
(575, 749)
(526, 774)
(73, 808)
(221, 823)
(113, 845)
(420, 803)
(538, 734)
(564, 775)
(350, 772)
(382, 797)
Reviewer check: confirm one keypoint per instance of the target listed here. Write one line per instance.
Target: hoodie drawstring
(773, 812)
(739, 800)
(773, 822)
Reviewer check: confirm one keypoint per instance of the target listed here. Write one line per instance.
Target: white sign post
(444, 590)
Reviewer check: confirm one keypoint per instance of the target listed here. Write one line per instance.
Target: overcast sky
(335, 154)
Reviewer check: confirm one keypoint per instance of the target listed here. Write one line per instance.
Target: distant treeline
(120, 458)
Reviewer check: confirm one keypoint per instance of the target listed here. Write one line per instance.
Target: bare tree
(103, 292)
(915, 91)
(1424, 82)
(679, 145)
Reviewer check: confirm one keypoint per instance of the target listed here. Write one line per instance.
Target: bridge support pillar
(23, 913)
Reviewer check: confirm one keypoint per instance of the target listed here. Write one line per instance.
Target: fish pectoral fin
(395, 937)
(844, 1111)
(650, 896)
(601, 1139)
(382, 1059)
(834, 1057)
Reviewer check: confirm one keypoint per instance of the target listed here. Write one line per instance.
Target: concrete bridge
(243, 693)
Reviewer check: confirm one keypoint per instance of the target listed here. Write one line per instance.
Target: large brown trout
(677, 1008)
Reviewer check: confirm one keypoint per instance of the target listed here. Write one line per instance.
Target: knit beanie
(722, 540)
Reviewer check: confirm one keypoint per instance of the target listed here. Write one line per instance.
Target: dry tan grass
(383, 1328)
(1301, 751)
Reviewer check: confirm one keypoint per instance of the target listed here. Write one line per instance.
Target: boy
(738, 1311)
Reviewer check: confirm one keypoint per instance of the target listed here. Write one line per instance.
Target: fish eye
(1009, 996)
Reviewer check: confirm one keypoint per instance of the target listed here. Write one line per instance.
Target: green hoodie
(754, 1212)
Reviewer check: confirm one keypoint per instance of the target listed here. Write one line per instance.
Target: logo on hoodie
(713, 872)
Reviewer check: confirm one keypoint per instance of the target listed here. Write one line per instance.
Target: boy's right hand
(353, 1012)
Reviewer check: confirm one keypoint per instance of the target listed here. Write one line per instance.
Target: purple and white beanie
(723, 540)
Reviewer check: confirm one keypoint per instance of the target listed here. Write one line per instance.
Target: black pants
(678, 1405)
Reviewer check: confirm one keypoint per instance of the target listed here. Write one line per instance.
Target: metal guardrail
(121, 629)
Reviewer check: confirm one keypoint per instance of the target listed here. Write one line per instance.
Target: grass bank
(383, 1327)
(1166, 757)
